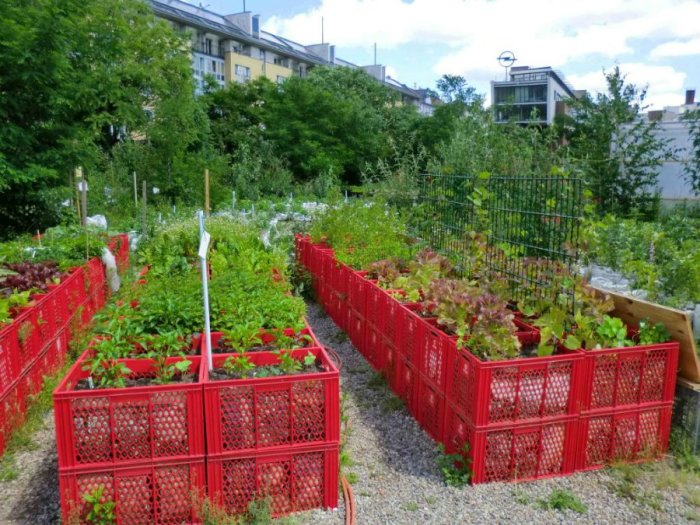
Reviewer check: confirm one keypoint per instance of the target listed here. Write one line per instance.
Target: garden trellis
(522, 219)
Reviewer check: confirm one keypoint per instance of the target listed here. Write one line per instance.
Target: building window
(242, 71)
(207, 46)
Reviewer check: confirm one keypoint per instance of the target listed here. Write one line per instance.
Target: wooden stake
(144, 216)
(206, 191)
(136, 193)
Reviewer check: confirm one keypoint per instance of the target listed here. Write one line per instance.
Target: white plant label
(204, 245)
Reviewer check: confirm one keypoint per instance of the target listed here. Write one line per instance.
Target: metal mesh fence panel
(530, 224)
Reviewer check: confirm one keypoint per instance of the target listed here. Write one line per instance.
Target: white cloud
(677, 49)
(666, 90)
(588, 34)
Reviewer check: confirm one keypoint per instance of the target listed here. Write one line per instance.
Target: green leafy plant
(239, 366)
(101, 511)
(167, 371)
(455, 468)
(650, 333)
(561, 499)
(287, 363)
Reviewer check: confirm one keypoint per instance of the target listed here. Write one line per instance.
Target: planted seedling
(239, 366)
(101, 510)
(455, 468)
(287, 364)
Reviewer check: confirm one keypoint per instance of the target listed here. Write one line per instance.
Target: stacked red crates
(36, 342)
(626, 404)
(521, 419)
(145, 445)
(274, 437)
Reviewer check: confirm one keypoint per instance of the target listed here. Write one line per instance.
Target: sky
(656, 43)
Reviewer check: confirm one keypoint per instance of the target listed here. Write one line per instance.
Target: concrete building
(234, 48)
(541, 91)
(672, 183)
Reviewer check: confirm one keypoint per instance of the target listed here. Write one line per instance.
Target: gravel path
(398, 482)
(32, 498)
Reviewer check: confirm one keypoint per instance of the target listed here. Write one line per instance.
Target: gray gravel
(398, 482)
(32, 498)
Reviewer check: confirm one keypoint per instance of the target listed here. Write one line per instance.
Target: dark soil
(83, 384)
(220, 374)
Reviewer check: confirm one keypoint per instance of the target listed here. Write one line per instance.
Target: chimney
(689, 97)
(377, 71)
(256, 26)
(243, 21)
(322, 51)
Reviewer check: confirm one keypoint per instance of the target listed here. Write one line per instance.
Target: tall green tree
(81, 80)
(619, 151)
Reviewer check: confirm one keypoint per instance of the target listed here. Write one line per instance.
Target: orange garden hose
(350, 516)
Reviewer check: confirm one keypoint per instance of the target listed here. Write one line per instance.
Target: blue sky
(655, 42)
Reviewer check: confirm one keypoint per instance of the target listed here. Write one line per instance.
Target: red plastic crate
(390, 369)
(155, 492)
(28, 337)
(59, 295)
(390, 322)
(357, 332)
(374, 347)
(75, 290)
(9, 357)
(340, 278)
(268, 413)
(375, 302)
(298, 479)
(127, 425)
(410, 326)
(433, 348)
(636, 375)
(514, 452)
(12, 410)
(407, 384)
(514, 390)
(46, 317)
(430, 406)
(614, 436)
(357, 292)
(328, 266)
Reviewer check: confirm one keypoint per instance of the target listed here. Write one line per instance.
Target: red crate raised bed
(514, 452)
(268, 413)
(95, 427)
(161, 492)
(624, 377)
(616, 436)
(295, 480)
(515, 390)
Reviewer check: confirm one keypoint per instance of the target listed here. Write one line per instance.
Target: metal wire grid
(531, 224)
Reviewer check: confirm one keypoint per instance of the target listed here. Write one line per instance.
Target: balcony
(208, 48)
